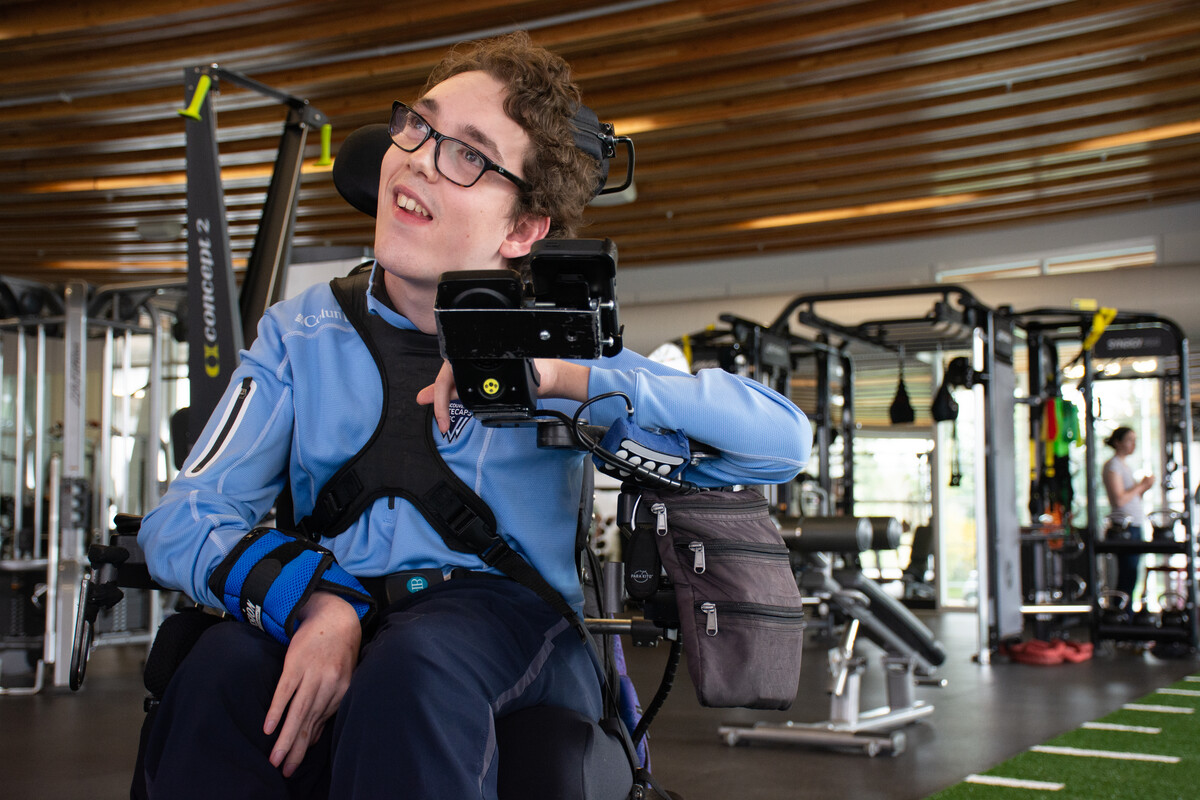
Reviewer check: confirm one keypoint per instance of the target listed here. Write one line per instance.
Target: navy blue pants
(1127, 563)
(417, 721)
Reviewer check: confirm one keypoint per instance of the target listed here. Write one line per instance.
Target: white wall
(661, 303)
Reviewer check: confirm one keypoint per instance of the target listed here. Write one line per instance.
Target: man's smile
(406, 203)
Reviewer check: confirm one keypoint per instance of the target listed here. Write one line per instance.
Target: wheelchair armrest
(119, 564)
(122, 560)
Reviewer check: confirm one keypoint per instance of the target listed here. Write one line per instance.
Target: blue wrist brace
(270, 574)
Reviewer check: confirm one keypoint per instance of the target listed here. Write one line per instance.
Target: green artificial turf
(1094, 778)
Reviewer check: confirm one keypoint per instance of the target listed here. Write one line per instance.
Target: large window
(892, 479)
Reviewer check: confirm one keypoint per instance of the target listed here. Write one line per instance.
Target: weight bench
(824, 556)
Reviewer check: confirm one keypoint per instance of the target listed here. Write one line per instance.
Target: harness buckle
(472, 531)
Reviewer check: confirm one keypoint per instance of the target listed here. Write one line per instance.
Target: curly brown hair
(542, 98)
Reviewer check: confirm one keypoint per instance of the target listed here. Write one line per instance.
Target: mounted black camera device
(491, 325)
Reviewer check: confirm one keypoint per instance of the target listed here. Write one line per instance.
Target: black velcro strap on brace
(262, 575)
(270, 574)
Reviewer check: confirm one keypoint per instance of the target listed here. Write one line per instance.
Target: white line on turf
(1192, 679)
(1112, 726)
(1014, 783)
(1075, 751)
(1158, 709)
(1180, 692)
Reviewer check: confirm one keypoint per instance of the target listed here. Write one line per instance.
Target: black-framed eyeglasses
(457, 161)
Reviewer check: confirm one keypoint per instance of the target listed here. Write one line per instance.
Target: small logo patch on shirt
(459, 417)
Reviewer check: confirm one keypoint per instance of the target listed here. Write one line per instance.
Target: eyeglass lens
(456, 160)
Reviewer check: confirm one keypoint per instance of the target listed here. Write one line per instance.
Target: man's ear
(527, 230)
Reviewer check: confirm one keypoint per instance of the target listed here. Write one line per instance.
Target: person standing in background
(1125, 500)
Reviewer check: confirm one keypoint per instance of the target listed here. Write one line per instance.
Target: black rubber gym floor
(71, 746)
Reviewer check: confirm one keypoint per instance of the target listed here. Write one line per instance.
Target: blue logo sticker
(417, 584)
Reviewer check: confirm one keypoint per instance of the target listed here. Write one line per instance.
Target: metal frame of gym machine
(958, 321)
(770, 357)
(1127, 334)
(78, 488)
(220, 321)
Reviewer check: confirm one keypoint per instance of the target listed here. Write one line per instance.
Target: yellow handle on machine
(1100, 320)
(326, 146)
(203, 84)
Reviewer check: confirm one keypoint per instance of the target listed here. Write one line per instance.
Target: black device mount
(491, 325)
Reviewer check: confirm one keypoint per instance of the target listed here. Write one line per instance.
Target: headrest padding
(358, 165)
(589, 137)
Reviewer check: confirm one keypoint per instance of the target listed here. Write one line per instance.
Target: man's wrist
(567, 381)
(328, 604)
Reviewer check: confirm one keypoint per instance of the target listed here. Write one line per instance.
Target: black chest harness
(401, 458)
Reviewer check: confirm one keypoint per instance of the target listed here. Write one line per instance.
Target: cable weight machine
(959, 322)
(1111, 335)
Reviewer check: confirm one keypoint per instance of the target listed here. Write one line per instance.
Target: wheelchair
(544, 751)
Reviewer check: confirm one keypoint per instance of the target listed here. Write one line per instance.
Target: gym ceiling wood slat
(756, 110)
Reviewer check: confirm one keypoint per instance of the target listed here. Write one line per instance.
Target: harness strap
(400, 459)
(402, 452)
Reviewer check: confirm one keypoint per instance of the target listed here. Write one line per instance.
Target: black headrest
(360, 158)
(594, 138)
(358, 164)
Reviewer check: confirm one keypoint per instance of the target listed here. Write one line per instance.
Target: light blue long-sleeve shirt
(307, 396)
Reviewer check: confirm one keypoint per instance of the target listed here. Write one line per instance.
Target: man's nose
(423, 160)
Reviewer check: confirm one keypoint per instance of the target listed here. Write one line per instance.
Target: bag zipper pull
(660, 513)
(710, 610)
(698, 563)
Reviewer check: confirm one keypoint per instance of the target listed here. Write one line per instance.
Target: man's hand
(316, 674)
(558, 378)
(440, 393)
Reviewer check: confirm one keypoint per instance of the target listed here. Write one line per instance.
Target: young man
(484, 165)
